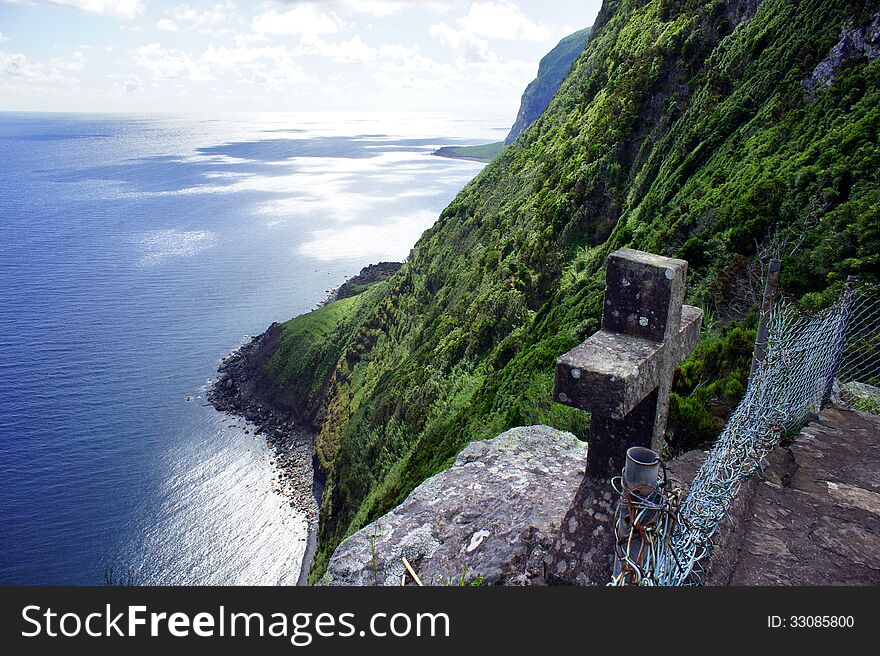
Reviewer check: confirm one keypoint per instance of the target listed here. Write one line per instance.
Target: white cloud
(312, 53)
(395, 66)
(382, 8)
(406, 68)
(77, 62)
(282, 74)
(352, 51)
(497, 20)
(215, 20)
(131, 83)
(470, 47)
(375, 7)
(3, 38)
(502, 20)
(167, 25)
(271, 66)
(18, 65)
(488, 20)
(301, 19)
(170, 64)
(123, 9)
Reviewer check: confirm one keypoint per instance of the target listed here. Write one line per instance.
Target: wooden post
(771, 292)
(845, 311)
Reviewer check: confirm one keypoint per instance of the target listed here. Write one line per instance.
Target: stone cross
(623, 373)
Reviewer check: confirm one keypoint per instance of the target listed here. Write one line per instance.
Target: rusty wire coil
(644, 517)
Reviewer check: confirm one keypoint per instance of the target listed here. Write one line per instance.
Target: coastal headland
(245, 388)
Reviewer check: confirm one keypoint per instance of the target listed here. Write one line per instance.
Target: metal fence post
(771, 291)
(640, 479)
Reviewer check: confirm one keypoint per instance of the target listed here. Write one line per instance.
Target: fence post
(640, 480)
(845, 311)
(771, 291)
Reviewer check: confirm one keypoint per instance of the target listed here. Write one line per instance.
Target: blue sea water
(134, 254)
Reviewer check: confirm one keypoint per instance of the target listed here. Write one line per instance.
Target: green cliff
(719, 132)
(552, 70)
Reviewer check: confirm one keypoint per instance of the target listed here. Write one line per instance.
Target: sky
(461, 58)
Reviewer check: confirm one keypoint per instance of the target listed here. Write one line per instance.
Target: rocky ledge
(369, 275)
(490, 517)
(813, 518)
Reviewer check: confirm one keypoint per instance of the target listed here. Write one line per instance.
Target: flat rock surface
(814, 519)
(493, 514)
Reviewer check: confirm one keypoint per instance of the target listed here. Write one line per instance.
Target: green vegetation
(464, 580)
(552, 70)
(676, 132)
(481, 153)
(327, 332)
(708, 385)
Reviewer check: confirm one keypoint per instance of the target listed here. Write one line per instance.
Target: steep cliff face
(683, 129)
(552, 70)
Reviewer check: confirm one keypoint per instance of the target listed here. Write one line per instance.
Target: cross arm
(611, 373)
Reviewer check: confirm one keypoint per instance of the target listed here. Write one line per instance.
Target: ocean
(135, 253)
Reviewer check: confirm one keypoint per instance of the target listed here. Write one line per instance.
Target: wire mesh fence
(810, 358)
(857, 380)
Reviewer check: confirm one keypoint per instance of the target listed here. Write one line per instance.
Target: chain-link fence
(857, 380)
(810, 358)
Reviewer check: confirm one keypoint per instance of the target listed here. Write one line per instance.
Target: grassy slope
(674, 133)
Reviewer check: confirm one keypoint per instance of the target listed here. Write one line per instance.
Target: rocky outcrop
(245, 388)
(740, 11)
(503, 513)
(854, 44)
(369, 275)
(490, 517)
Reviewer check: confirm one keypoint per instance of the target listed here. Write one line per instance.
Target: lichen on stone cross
(623, 373)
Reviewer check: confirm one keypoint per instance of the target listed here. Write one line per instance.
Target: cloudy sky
(461, 57)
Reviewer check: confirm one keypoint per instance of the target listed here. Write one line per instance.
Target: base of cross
(622, 375)
(583, 551)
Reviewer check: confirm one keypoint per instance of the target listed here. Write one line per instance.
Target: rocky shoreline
(243, 388)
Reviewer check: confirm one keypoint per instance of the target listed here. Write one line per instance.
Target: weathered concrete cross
(623, 373)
